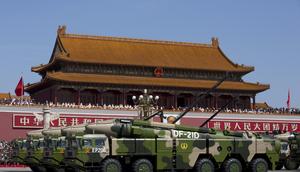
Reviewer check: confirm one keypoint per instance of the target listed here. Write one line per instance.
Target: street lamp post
(145, 104)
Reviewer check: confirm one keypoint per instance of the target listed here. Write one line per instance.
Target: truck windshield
(50, 143)
(24, 144)
(61, 143)
(100, 142)
(87, 143)
(29, 144)
(72, 142)
(40, 144)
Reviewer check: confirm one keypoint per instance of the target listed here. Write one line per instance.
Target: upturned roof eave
(70, 77)
(28, 87)
(241, 68)
(54, 57)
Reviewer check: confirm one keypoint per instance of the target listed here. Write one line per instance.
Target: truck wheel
(233, 165)
(70, 169)
(111, 165)
(279, 166)
(142, 165)
(53, 169)
(291, 164)
(259, 165)
(37, 169)
(204, 165)
(34, 169)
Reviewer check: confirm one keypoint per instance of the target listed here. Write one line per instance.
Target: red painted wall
(7, 132)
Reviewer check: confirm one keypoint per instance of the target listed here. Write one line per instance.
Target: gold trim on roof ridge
(137, 40)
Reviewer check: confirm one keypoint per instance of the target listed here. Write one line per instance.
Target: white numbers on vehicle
(96, 150)
(185, 134)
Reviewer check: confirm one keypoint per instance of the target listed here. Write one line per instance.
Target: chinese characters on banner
(239, 125)
(29, 121)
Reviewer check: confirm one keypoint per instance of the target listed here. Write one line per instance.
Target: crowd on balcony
(31, 103)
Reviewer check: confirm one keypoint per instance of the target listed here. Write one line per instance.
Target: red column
(101, 98)
(216, 101)
(175, 100)
(55, 95)
(124, 98)
(78, 97)
(253, 105)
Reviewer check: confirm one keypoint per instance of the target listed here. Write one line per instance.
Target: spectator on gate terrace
(30, 103)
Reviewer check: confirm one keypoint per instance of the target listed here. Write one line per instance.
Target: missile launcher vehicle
(73, 151)
(292, 161)
(34, 149)
(54, 149)
(155, 146)
(85, 152)
(19, 151)
(290, 150)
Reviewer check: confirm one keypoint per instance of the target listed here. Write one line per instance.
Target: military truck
(18, 151)
(34, 150)
(54, 149)
(83, 152)
(293, 159)
(73, 151)
(290, 152)
(157, 146)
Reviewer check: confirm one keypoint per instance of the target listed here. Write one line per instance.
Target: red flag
(288, 100)
(20, 88)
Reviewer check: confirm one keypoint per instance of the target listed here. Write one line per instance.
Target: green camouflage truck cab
(290, 150)
(74, 135)
(35, 148)
(54, 149)
(293, 160)
(86, 152)
(19, 151)
(54, 153)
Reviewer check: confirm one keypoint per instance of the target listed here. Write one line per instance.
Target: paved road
(28, 170)
(15, 169)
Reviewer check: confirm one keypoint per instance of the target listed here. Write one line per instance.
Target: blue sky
(264, 34)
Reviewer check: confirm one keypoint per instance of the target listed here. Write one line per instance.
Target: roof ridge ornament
(61, 30)
(215, 42)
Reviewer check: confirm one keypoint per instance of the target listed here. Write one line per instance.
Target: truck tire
(71, 169)
(53, 169)
(259, 165)
(34, 169)
(291, 164)
(232, 165)
(204, 164)
(38, 169)
(111, 165)
(279, 166)
(142, 165)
